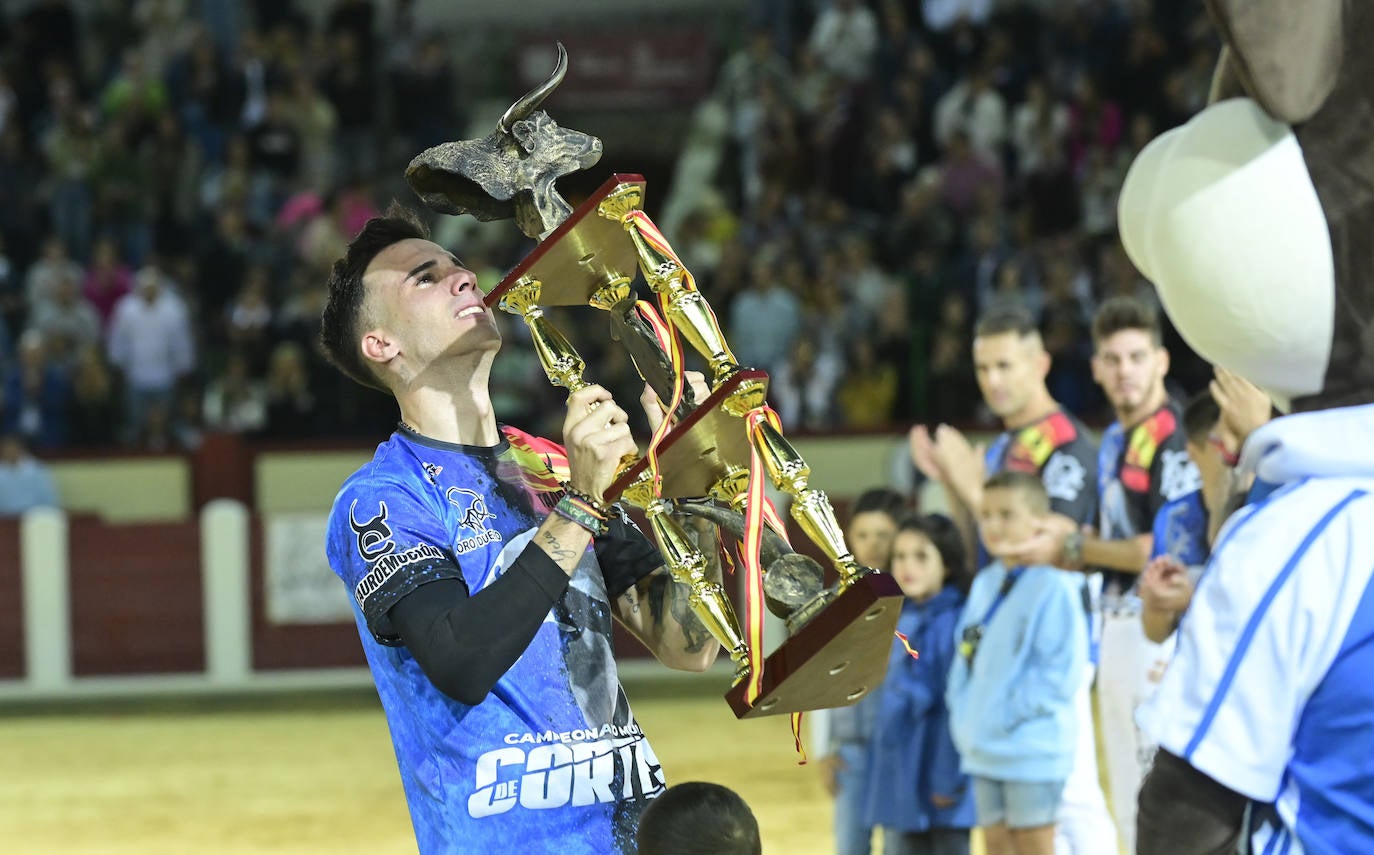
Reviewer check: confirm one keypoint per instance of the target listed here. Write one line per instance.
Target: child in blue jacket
(915, 789)
(1023, 645)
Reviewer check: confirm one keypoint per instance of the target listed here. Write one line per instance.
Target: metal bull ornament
(511, 171)
(711, 458)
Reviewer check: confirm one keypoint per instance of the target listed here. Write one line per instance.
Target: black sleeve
(625, 554)
(465, 643)
(1183, 812)
(1070, 477)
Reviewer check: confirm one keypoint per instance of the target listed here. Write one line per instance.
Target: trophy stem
(810, 508)
(560, 359)
(688, 565)
(687, 309)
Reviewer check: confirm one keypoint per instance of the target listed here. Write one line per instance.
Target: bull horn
(771, 547)
(530, 102)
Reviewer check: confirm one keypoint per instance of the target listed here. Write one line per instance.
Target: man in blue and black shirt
(485, 570)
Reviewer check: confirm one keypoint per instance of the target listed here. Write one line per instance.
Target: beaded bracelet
(596, 506)
(575, 511)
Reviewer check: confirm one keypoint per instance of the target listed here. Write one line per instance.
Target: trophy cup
(710, 457)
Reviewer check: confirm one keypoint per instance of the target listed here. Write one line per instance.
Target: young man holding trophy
(486, 564)
(485, 618)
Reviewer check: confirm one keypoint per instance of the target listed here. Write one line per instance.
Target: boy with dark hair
(699, 818)
(1023, 646)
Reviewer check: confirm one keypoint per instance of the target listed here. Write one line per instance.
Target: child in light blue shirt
(1022, 647)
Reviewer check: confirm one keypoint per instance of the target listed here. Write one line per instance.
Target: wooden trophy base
(835, 659)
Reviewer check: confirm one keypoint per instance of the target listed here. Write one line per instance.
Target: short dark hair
(882, 500)
(1200, 417)
(1126, 313)
(945, 536)
(342, 317)
(698, 818)
(1000, 320)
(1024, 483)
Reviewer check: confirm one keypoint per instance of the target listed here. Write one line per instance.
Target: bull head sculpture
(510, 172)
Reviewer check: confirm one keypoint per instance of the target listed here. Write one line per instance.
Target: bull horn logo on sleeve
(374, 536)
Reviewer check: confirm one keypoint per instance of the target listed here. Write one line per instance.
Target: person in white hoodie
(1265, 718)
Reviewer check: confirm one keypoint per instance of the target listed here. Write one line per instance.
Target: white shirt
(1271, 692)
(844, 43)
(151, 342)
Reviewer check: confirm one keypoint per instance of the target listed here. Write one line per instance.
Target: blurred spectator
(120, 181)
(765, 318)
(94, 406)
(274, 143)
(844, 39)
(67, 322)
(108, 280)
(35, 395)
(868, 392)
(315, 122)
(951, 389)
(423, 96)
(942, 15)
(1040, 124)
(47, 273)
(136, 96)
(151, 345)
(234, 401)
(348, 85)
(975, 109)
(249, 318)
(966, 173)
(803, 387)
(292, 409)
(25, 483)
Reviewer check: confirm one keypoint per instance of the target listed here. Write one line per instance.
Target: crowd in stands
(175, 179)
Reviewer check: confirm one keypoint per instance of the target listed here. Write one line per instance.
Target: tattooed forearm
(557, 551)
(669, 597)
(694, 632)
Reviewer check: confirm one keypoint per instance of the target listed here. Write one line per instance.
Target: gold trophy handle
(559, 358)
(687, 307)
(688, 565)
(810, 508)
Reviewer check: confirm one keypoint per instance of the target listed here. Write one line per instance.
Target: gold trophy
(839, 638)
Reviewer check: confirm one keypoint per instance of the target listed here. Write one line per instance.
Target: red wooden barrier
(135, 598)
(11, 602)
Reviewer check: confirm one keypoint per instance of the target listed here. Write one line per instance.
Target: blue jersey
(1269, 692)
(1058, 450)
(552, 758)
(1180, 531)
(1138, 471)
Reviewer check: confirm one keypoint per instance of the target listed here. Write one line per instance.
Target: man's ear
(1163, 362)
(379, 346)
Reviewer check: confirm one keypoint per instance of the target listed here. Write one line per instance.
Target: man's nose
(463, 280)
